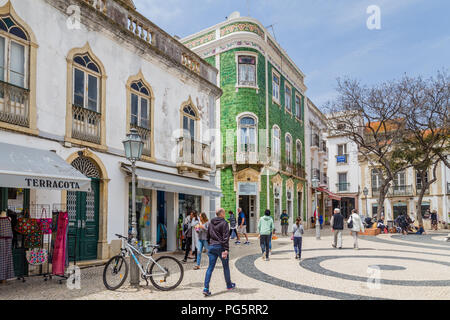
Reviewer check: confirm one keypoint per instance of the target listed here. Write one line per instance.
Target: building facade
(261, 151)
(317, 164)
(104, 70)
(343, 171)
(404, 193)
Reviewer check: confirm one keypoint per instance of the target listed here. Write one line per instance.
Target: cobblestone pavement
(385, 267)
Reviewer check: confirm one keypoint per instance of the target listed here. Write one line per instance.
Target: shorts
(242, 229)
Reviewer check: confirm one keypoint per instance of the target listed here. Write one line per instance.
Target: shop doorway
(399, 209)
(161, 231)
(83, 209)
(248, 205)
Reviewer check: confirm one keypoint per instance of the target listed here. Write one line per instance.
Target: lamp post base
(317, 231)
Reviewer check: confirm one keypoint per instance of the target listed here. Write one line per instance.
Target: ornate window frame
(297, 143)
(197, 118)
(31, 59)
(246, 53)
(102, 96)
(289, 160)
(238, 121)
(276, 160)
(140, 77)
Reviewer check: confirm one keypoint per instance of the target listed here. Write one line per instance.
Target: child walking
(297, 233)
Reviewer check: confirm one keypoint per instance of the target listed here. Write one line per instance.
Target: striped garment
(6, 259)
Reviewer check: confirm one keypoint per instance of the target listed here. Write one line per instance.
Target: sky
(328, 39)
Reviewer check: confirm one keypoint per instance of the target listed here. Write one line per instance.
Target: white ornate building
(77, 76)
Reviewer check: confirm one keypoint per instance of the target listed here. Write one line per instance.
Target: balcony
(145, 134)
(419, 190)
(342, 159)
(14, 104)
(86, 125)
(375, 192)
(400, 191)
(299, 171)
(323, 150)
(343, 187)
(245, 158)
(287, 166)
(315, 141)
(193, 156)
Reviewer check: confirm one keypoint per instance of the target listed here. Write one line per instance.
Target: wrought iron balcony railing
(419, 189)
(343, 187)
(400, 190)
(86, 124)
(145, 134)
(193, 152)
(14, 104)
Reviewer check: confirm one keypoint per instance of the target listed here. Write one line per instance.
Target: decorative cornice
(242, 26)
(201, 40)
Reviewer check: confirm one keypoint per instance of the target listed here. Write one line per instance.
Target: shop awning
(330, 194)
(29, 168)
(151, 179)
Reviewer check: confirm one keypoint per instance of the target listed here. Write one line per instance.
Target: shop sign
(341, 159)
(248, 188)
(30, 182)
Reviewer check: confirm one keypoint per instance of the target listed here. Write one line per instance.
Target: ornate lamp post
(315, 185)
(133, 145)
(366, 193)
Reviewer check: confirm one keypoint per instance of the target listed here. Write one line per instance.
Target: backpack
(350, 224)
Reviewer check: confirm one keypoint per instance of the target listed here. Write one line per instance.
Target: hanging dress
(60, 250)
(6, 259)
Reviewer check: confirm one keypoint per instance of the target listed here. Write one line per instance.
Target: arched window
(189, 121)
(14, 47)
(86, 83)
(140, 105)
(247, 134)
(276, 144)
(299, 153)
(17, 67)
(87, 80)
(288, 146)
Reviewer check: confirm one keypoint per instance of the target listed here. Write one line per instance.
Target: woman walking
(297, 236)
(233, 225)
(202, 232)
(191, 237)
(356, 225)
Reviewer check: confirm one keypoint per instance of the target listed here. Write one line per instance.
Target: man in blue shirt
(242, 226)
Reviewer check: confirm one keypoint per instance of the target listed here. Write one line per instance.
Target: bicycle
(168, 269)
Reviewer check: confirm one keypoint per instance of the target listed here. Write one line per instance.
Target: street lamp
(366, 193)
(133, 145)
(315, 185)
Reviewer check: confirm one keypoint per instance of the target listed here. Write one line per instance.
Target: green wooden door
(83, 210)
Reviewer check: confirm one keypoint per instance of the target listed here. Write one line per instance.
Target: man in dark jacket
(218, 240)
(337, 225)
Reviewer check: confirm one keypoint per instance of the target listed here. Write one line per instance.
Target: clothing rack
(37, 211)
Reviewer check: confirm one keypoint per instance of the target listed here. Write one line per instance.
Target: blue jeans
(270, 241)
(215, 251)
(298, 246)
(200, 245)
(233, 233)
(264, 241)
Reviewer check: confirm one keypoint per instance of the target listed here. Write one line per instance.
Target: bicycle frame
(131, 250)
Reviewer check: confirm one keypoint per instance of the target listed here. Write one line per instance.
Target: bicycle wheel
(115, 273)
(171, 278)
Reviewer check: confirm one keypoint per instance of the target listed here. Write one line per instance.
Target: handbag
(350, 224)
(45, 224)
(33, 240)
(37, 257)
(26, 225)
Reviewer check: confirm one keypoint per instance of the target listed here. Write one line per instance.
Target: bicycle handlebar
(129, 239)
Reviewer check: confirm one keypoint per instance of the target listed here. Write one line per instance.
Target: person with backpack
(337, 226)
(356, 225)
(284, 223)
(297, 236)
(265, 229)
(233, 225)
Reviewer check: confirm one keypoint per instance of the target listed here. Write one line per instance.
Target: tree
(370, 118)
(426, 141)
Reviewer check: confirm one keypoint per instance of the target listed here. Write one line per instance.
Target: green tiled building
(261, 153)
